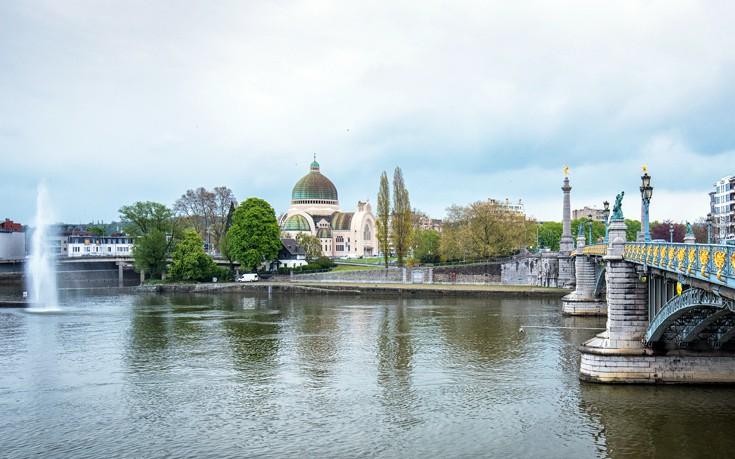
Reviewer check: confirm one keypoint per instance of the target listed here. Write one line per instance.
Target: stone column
(585, 272)
(566, 244)
(627, 295)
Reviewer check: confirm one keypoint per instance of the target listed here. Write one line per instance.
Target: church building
(315, 210)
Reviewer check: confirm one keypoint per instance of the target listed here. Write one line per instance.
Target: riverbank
(357, 288)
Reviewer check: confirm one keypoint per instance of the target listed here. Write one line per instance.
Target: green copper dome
(296, 223)
(314, 186)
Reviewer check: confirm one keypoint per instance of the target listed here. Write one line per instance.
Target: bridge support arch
(585, 300)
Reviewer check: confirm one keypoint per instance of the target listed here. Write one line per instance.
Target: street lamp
(606, 214)
(589, 222)
(709, 228)
(646, 193)
(671, 233)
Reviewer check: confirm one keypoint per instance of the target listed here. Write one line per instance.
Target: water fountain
(40, 272)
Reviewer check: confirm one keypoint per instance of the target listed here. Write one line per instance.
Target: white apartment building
(722, 203)
(84, 245)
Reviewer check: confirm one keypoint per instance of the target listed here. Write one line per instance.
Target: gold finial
(645, 170)
(566, 171)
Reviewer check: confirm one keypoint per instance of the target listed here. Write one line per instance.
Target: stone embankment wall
(547, 269)
(466, 274)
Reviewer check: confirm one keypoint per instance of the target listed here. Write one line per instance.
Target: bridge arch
(600, 282)
(696, 314)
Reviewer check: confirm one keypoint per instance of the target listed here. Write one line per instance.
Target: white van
(248, 277)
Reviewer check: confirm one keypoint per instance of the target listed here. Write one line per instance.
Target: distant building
(12, 241)
(722, 207)
(516, 208)
(291, 254)
(585, 212)
(84, 244)
(315, 210)
(427, 223)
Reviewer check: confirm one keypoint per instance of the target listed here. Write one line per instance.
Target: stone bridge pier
(583, 301)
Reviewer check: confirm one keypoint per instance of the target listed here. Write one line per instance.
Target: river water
(145, 375)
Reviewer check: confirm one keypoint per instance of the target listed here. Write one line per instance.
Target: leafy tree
(189, 261)
(383, 216)
(311, 245)
(662, 231)
(484, 229)
(97, 230)
(153, 227)
(633, 227)
(206, 211)
(224, 241)
(426, 245)
(598, 230)
(400, 222)
(254, 236)
(549, 235)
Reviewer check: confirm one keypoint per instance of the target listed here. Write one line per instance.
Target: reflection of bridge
(670, 307)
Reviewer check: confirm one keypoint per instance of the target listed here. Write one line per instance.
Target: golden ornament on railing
(671, 257)
(703, 257)
(655, 255)
(719, 260)
(649, 252)
(691, 257)
(680, 256)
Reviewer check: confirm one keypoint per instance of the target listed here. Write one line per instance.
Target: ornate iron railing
(710, 262)
(594, 249)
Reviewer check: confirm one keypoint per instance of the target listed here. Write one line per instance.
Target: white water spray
(40, 272)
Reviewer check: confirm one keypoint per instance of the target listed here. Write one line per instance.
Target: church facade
(315, 210)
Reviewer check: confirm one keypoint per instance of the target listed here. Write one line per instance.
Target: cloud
(143, 100)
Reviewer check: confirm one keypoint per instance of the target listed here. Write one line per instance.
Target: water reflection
(329, 376)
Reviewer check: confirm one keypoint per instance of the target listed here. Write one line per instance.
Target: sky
(109, 103)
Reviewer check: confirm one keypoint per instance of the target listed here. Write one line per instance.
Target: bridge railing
(592, 249)
(714, 263)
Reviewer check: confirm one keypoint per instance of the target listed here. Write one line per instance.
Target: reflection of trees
(396, 353)
(660, 421)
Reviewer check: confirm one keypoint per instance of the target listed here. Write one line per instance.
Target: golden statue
(645, 170)
(566, 171)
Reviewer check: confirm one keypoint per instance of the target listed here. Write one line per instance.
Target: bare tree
(206, 211)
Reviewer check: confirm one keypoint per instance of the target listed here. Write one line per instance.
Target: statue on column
(617, 213)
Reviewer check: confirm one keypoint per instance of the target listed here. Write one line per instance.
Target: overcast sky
(112, 102)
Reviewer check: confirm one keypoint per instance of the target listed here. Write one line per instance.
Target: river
(242, 375)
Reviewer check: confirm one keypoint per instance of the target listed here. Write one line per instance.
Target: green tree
(549, 235)
(598, 230)
(189, 261)
(206, 211)
(311, 245)
(484, 229)
(153, 227)
(633, 227)
(97, 230)
(254, 236)
(383, 217)
(400, 222)
(426, 245)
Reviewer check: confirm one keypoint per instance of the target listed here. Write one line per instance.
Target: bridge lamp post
(606, 214)
(709, 228)
(671, 233)
(646, 193)
(589, 222)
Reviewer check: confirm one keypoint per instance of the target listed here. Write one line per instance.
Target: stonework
(582, 301)
(566, 245)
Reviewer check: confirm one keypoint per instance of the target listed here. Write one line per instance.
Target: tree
(484, 229)
(311, 245)
(400, 221)
(97, 230)
(598, 230)
(633, 227)
(426, 245)
(383, 216)
(189, 261)
(549, 235)
(155, 232)
(224, 241)
(254, 236)
(206, 211)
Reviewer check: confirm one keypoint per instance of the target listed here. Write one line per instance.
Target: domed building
(315, 210)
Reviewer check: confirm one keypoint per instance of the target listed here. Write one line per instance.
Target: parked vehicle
(248, 277)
